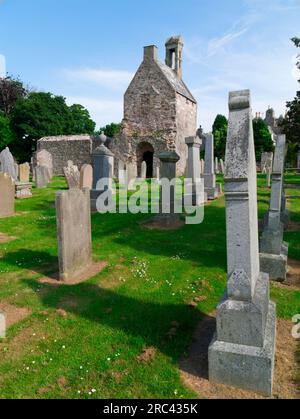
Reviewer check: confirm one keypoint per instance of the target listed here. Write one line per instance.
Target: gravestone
(86, 177)
(103, 162)
(144, 170)
(193, 170)
(24, 172)
(7, 195)
(209, 170)
(72, 175)
(2, 326)
(44, 158)
(73, 216)
(202, 165)
(217, 167)
(222, 166)
(7, 164)
(242, 352)
(168, 216)
(273, 250)
(266, 162)
(42, 176)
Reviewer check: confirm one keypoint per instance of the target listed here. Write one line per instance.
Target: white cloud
(2, 66)
(112, 79)
(101, 111)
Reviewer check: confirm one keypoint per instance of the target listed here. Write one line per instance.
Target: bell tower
(174, 48)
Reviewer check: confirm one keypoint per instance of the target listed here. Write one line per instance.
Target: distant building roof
(84, 137)
(178, 85)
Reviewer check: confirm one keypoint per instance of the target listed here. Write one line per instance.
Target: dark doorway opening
(148, 158)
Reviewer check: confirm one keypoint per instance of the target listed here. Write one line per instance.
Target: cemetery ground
(129, 331)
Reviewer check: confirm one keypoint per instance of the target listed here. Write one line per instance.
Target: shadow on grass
(149, 321)
(39, 262)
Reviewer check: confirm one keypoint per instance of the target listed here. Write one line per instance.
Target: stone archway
(145, 152)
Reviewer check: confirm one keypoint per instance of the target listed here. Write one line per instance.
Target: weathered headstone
(267, 162)
(222, 166)
(122, 176)
(144, 170)
(74, 233)
(168, 215)
(42, 176)
(242, 351)
(274, 250)
(7, 195)
(2, 326)
(72, 175)
(193, 170)
(44, 158)
(7, 164)
(103, 161)
(86, 177)
(209, 170)
(24, 172)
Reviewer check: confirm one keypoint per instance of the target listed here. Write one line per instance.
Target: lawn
(121, 333)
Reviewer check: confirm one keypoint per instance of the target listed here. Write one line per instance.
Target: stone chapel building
(159, 111)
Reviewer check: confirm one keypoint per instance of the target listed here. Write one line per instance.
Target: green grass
(150, 279)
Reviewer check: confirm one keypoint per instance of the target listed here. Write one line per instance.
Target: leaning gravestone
(86, 177)
(74, 233)
(242, 352)
(7, 195)
(72, 175)
(274, 250)
(7, 164)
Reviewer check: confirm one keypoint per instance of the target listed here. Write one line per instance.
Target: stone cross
(273, 249)
(209, 169)
(103, 162)
(86, 177)
(7, 194)
(7, 164)
(167, 208)
(72, 175)
(242, 352)
(194, 169)
(73, 216)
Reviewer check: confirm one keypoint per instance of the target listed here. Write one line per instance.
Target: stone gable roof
(178, 85)
(85, 137)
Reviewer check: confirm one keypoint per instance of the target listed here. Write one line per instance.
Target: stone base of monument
(23, 190)
(246, 367)
(275, 265)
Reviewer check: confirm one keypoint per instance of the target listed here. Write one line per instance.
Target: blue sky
(88, 50)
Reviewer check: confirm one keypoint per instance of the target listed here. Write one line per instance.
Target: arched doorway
(145, 152)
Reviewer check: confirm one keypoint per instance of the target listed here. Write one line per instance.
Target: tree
(11, 90)
(43, 114)
(262, 138)
(291, 123)
(220, 127)
(111, 130)
(80, 121)
(6, 133)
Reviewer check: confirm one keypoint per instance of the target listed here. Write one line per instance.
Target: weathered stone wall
(65, 148)
(186, 121)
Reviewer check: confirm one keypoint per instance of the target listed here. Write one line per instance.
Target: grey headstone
(44, 158)
(242, 351)
(273, 257)
(74, 232)
(194, 169)
(72, 175)
(209, 170)
(7, 164)
(7, 194)
(42, 176)
(103, 163)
